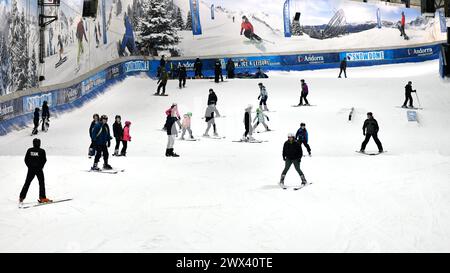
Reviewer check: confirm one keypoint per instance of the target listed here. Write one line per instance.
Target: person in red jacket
(402, 27)
(247, 28)
(81, 33)
(125, 138)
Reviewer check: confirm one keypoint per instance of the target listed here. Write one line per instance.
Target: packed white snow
(223, 196)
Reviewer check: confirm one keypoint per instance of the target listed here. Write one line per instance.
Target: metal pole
(418, 101)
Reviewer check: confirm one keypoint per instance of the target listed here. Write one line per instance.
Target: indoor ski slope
(223, 196)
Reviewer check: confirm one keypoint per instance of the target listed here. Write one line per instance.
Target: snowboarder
(162, 82)
(102, 141)
(128, 38)
(172, 132)
(302, 137)
(45, 116)
(292, 154)
(209, 118)
(370, 129)
(35, 160)
(36, 120)
(248, 124)
(343, 67)
(125, 138)
(118, 133)
(186, 125)
(182, 74)
(230, 69)
(80, 34)
(248, 30)
(95, 121)
(304, 93)
(262, 97)
(408, 97)
(260, 119)
(198, 65)
(218, 71)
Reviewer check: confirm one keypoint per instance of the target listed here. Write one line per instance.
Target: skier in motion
(260, 118)
(262, 97)
(210, 119)
(128, 38)
(80, 34)
(248, 30)
(292, 154)
(302, 137)
(304, 93)
(370, 129)
(408, 97)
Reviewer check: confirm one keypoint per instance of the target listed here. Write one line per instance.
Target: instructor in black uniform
(408, 97)
(370, 129)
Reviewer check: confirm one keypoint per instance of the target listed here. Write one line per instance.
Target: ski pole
(418, 101)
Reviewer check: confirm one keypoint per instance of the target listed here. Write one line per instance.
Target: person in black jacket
(102, 140)
(198, 68)
(218, 71)
(292, 154)
(96, 119)
(408, 97)
(370, 129)
(45, 116)
(118, 134)
(182, 74)
(212, 98)
(230, 69)
(35, 160)
(36, 120)
(172, 132)
(343, 67)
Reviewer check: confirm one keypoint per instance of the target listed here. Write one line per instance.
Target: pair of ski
(112, 171)
(161, 95)
(410, 108)
(295, 188)
(303, 105)
(214, 137)
(37, 204)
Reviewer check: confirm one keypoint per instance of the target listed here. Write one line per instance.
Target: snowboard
(113, 171)
(60, 62)
(37, 204)
(371, 153)
(303, 105)
(161, 95)
(410, 108)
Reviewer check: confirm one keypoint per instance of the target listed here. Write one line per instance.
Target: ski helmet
(302, 124)
(258, 110)
(260, 84)
(291, 135)
(189, 114)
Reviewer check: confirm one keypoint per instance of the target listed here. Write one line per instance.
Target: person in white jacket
(262, 97)
(260, 118)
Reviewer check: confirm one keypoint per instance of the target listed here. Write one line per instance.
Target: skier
(304, 93)
(212, 97)
(262, 97)
(128, 37)
(209, 118)
(260, 119)
(343, 67)
(302, 137)
(230, 69)
(408, 97)
(102, 140)
(198, 68)
(97, 41)
(171, 134)
(35, 160)
(118, 134)
(125, 138)
(182, 74)
(248, 124)
(36, 121)
(233, 19)
(247, 28)
(172, 112)
(95, 121)
(80, 34)
(292, 154)
(218, 71)
(162, 65)
(61, 47)
(402, 27)
(45, 116)
(162, 82)
(370, 129)
(186, 125)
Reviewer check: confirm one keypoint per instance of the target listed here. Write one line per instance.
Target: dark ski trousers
(44, 123)
(303, 97)
(117, 143)
(230, 74)
(263, 101)
(408, 97)
(375, 138)
(101, 149)
(36, 126)
(287, 166)
(247, 129)
(182, 82)
(30, 176)
(163, 86)
(124, 147)
(307, 146)
(343, 70)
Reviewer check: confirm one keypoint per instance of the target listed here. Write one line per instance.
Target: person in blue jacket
(101, 138)
(128, 37)
(302, 137)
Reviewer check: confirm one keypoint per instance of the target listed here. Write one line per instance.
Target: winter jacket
(212, 98)
(209, 113)
(163, 77)
(126, 132)
(370, 126)
(128, 28)
(101, 134)
(344, 64)
(170, 125)
(173, 112)
(262, 93)
(45, 111)
(36, 117)
(93, 123)
(118, 130)
(198, 65)
(302, 135)
(403, 20)
(408, 89)
(292, 150)
(80, 31)
(246, 26)
(35, 158)
(230, 66)
(186, 121)
(260, 117)
(305, 89)
(217, 67)
(182, 73)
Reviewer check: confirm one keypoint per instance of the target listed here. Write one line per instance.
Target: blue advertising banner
(378, 18)
(93, 82)
(105, 40)
(195, 14)
(212, 11)
(287, 19)
(35, 101)
(442, 21)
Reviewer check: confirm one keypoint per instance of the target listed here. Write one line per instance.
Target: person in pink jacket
(126, 137)
(186, 125)
(173, 112)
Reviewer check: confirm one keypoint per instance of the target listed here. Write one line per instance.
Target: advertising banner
(195, 15)
(287, 19)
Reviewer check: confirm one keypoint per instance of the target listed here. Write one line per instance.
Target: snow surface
(223, 196)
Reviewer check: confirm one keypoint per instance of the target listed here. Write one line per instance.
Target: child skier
(262, 96)
(102, 140)
(171, 134)
(292, 154)
(302, 137)
(248, 124)
(186, 125)
(260, 119)
(35, 160)
(125, 138)
(118, 134)
(96, 119)
(209, 118)
(36, 121)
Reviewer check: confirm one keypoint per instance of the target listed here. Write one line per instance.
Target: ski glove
(109, 144)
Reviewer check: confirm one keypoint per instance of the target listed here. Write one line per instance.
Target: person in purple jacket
(304, 93)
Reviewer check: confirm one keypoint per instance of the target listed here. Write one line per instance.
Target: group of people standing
(44, 118)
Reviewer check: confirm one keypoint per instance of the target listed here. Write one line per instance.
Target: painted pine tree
(188, 25)
(295, 28)
(32, 68)
(179, 19)
(4, 65)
